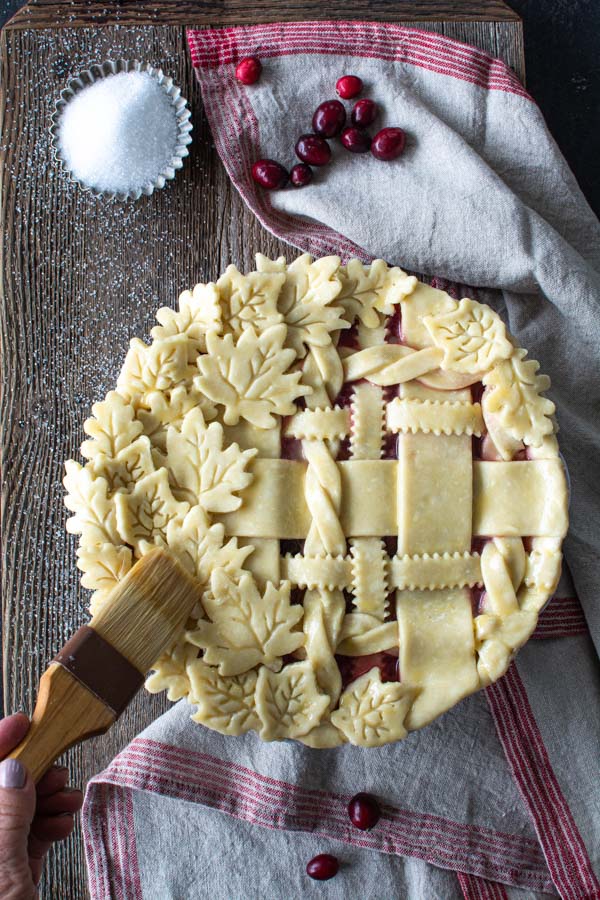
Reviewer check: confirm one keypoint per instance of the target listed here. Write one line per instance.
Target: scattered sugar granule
(119, 133)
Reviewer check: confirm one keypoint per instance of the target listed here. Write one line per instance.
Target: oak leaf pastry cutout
(363, 475)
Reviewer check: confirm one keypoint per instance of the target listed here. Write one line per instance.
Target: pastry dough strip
(275, 506)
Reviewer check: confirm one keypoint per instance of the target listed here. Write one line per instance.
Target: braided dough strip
(504, 626)
(363, 634)
(391, 364)
(503, 568)
(323, 490)
(543, 565)
(324, 610)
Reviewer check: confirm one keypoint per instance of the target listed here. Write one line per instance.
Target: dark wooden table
(80, 277)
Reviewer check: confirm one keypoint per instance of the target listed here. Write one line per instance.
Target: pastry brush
(100, 669)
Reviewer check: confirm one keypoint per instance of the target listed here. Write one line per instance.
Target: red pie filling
(352, 667)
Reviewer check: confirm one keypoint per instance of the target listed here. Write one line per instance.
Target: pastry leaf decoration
(289, 702)
(201, 548)
(112, 428)
(371, 712)
(103, 566)
(309, 281)
(311, 324)
(87, 497)
(249, 377)
(168, 408)
(514, 400)
(369, 290)
(199, 312)
(225, 704)
(204, 472)
(143, 514)
(245, 628)
(171, 673)
(264, 264)
(306, 301)
(129, 465)
(159, 367)
(472, 336)
(249, 300)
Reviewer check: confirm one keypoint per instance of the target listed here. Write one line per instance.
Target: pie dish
(363, 474)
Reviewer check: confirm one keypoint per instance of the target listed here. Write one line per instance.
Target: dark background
(562, 52)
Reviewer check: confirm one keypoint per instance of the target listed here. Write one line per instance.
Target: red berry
(364, 113)
(388, 143)
(313, 150)
(269, 174)
(323, 867)
(355, 140)
(301, 175)
(349, 86)
(364, 811)
(329, 118)
(248, 70)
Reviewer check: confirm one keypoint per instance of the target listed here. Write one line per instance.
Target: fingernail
(12, 774)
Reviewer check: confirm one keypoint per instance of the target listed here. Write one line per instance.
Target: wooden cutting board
(79, 278)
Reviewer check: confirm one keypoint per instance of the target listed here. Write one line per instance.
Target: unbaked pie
(363, 475)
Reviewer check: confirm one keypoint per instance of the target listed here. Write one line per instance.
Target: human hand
(31, 818)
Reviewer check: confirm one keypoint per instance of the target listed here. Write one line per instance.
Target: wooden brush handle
(66, 712)
(101, 668)
(84, 690)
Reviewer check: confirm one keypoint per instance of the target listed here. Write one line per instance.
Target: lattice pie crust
(363, 475)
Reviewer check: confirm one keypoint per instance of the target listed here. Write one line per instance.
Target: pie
(363, 475)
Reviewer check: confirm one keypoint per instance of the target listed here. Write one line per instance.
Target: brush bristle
(147, 611)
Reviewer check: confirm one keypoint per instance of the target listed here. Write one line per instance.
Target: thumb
(17, 808)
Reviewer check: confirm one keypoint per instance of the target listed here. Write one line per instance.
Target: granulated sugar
(119, 133)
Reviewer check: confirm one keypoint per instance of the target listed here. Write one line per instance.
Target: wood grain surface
(79, 278)
(50, 13)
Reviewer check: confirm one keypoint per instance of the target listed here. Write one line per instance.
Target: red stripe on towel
(109, 843)
(563, 617)
(390, 42)
(558, 834)
(247, 795)
(474, 888)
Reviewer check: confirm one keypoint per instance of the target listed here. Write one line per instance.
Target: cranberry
(301, 175)
(364, 113)
(329, 118)
(355, 140)
(364, 811)
(269, 174)
(323, 867)
(313, 149)
(388, 143)
(248, 70)
(349, 86)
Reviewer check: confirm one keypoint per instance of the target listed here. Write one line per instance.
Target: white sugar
(119, 133)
